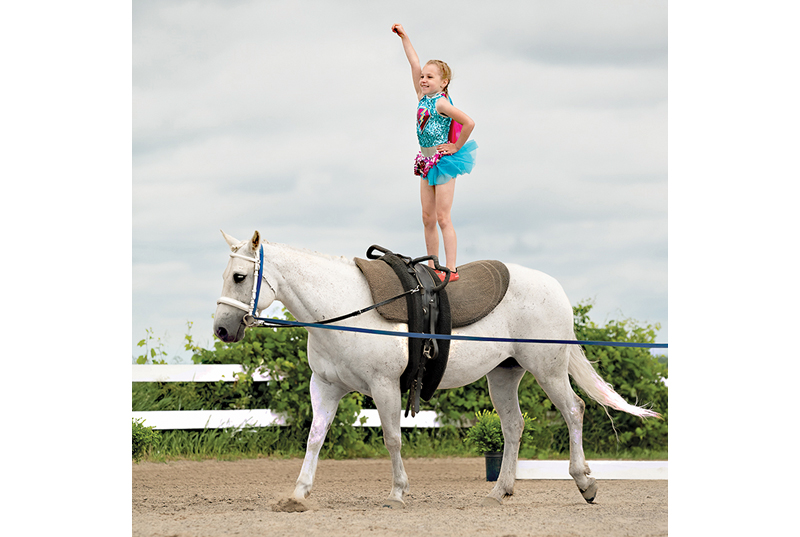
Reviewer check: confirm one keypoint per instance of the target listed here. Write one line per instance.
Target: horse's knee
(392, 442)
(317, 434)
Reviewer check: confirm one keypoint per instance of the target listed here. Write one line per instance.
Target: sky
(296, 119)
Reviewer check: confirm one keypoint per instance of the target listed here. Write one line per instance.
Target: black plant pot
(493, 461)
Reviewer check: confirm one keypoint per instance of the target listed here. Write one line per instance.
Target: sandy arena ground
(185, 498)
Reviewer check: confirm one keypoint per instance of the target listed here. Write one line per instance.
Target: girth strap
(430, 347)
(429, 313)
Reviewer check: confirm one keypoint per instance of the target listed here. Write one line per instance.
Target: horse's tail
(598, 389)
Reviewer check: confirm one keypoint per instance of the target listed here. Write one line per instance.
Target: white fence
(218, 419)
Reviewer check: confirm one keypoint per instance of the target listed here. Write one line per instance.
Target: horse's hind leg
(503, 389)
(324, 403)
(559, 391)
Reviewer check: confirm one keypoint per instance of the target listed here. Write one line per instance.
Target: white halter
(257, 277)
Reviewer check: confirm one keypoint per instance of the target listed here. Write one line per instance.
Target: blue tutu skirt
(451, 166)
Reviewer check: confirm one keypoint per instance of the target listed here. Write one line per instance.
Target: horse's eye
(239, 278)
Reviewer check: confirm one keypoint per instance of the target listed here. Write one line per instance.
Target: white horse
(315, 287)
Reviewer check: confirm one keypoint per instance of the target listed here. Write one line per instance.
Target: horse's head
(242, 293)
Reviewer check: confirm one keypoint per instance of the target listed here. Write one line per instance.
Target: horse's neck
(314, 286)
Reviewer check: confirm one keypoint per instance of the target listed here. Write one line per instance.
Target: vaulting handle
(372, 255)
(437, 266)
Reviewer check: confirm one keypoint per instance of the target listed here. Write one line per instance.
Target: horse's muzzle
(230, 334)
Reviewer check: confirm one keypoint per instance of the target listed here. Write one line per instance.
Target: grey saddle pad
(480, 287)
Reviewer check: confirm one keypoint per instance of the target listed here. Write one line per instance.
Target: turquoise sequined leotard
(433, 129)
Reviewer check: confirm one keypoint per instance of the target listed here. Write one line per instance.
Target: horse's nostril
(222, 333)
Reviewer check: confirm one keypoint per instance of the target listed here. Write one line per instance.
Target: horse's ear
(233, 243)
(255, 241)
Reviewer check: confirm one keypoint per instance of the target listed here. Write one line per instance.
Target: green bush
(144, 439)
(281, 353)
(635, 373)
(487, 434)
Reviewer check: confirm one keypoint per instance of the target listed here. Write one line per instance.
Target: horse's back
(530, 288)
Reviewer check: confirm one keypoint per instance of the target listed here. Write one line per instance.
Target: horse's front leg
(325, 399)
(503, 389)
(387, 400)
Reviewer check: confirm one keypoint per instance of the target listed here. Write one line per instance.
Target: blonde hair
(445, 71)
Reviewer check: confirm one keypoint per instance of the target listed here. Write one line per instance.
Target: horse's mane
(313, 253)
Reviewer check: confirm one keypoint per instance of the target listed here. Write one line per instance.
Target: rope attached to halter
(263, 322)
(354, 313)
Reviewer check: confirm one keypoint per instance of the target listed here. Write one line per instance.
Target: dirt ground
(186, 498)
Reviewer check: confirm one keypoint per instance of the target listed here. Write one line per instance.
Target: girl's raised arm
(411, 54)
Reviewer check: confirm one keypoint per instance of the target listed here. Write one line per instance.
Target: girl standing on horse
(445, 153)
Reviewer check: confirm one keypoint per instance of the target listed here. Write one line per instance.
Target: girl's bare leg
(437, 202)
(427, 196)
(444, 202)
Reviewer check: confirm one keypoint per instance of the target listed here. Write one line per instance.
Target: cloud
(295, 118)
(581, 33)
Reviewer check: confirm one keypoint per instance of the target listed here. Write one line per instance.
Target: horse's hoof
(590, 492)
(491, 502)
(394, 504)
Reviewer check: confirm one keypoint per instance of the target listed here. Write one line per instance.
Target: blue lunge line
(282, 322)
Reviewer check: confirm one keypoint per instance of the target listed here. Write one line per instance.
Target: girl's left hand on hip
(446, 149)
